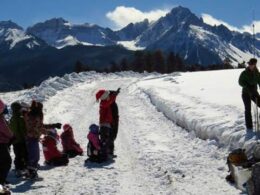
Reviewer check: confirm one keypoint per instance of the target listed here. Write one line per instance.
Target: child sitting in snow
(94, 147)
(70, 146)
(51, 153)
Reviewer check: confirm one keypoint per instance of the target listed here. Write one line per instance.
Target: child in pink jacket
(94, 145)
(70, 146)
(6, 136)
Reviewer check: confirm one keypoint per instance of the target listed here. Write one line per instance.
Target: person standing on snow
(6, 137)
(106, 120)
(35, 128)
(248, 80)
(17, 125)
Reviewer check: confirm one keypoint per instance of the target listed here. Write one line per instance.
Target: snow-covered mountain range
(60, 33)
(53, 47)
(179, 31)
(13, 36)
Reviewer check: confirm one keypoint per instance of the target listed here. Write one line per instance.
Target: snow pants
(92, 157)
(20, 151)
(106, 141)
(113, 135)
(247, 104)
(5, 162)
(72, 153)
(61, 161)
(33, 149)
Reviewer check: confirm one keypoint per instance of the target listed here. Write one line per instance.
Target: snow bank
(207, 104)
(155, 156)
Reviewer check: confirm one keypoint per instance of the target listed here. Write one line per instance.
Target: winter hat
(16, 107)
(252, 61)
(94, 128)
(66, 127)
(53, 133)
(102, 94)
(2, 106)
(25, 107)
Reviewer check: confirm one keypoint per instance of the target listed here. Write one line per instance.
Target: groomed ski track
(155, 156)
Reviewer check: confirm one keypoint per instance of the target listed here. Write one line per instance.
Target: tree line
(150, 61)
(153, 61)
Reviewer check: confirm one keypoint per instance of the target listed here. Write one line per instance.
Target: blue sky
(117, 13)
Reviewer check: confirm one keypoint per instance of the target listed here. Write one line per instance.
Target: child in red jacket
(107, 120)
(51, 153)
(70, 146)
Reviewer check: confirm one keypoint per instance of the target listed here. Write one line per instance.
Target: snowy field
(175, 133)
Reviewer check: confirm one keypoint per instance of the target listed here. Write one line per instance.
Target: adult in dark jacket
(17, 125)
(248, 80)
(6, 136)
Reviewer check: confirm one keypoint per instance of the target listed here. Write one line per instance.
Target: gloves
(118, 90)
(95, 152)
(58, 125)
(252, 90)
(55, 125)
(115, 92)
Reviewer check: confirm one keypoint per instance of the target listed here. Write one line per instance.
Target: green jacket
(248, 80)
(17, 125)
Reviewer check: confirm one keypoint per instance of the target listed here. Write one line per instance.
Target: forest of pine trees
(153, 61)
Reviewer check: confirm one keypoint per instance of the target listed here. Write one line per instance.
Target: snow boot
(4, 190)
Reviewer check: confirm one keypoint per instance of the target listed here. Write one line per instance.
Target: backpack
(237, 157)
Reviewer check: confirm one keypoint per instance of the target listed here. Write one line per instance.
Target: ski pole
(256, 115)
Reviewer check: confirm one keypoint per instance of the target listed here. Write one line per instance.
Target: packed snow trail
(154, 155)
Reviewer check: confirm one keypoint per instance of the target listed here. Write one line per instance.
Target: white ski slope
(175, 133)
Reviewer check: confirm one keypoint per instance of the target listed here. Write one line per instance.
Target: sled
(241, 176)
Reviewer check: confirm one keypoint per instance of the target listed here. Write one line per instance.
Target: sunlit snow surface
(175, 133)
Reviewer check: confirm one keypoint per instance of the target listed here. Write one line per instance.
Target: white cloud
(122, 16)
(213, 21)
(246, 28)
(249, 28)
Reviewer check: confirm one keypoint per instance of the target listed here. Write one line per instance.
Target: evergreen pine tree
(138, 63)
(159, 62)
(148, 62)
(79, 67)
(170, 64)
(124, 65)
(114, 67)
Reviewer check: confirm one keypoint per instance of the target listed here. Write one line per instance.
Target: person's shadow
(26, 186)
(90, 164)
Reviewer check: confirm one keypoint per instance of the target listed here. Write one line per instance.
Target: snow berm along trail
(154, 155)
